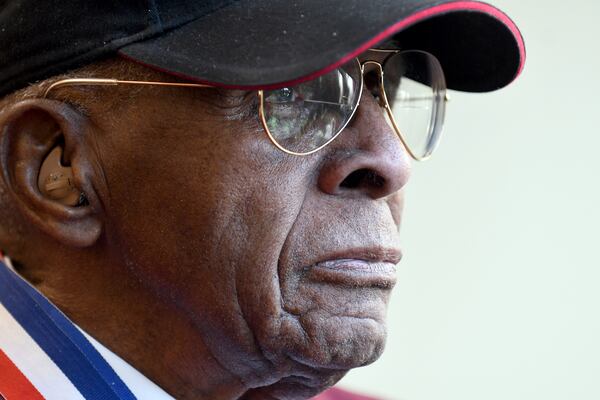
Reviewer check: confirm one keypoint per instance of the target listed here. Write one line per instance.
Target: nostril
(363, 178)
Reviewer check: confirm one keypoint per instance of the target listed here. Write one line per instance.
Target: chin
(341, 343)
(323, 349)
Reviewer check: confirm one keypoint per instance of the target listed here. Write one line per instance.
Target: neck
(143, 328)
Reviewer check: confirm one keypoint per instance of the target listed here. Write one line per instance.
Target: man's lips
(358, 268)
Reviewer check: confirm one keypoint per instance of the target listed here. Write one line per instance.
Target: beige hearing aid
(56, 181)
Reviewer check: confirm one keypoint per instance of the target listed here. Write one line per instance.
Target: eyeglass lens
(307, 116)
(304, 118)
(415, 89)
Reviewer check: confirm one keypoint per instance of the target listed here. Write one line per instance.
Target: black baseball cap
(251, 44)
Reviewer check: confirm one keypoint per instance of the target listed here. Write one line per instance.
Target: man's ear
(42, 185)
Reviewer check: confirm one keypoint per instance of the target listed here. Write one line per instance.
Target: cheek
(205, 229)
(179, 193)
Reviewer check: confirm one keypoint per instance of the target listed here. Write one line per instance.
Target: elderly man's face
(283, 263)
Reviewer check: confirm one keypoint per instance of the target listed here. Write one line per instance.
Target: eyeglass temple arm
(446, 98)
(114, 82)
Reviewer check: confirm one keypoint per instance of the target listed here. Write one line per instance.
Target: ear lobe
(45, 190)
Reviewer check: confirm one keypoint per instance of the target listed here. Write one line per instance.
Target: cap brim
(266, 44)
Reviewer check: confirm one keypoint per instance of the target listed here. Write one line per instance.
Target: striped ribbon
(58, 337)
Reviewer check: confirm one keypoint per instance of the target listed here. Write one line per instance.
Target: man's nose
(367, 157)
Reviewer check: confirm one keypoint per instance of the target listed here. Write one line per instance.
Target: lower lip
(354, 272)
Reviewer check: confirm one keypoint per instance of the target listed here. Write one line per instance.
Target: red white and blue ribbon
(43, 355)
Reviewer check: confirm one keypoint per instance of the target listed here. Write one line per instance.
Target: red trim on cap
(13, 384)
(432, 12)
(397, 27)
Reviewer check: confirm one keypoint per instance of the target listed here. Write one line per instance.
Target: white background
(499, 291)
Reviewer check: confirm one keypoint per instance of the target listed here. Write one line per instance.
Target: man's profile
(201, 199)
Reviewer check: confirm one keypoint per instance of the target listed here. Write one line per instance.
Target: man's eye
(283, 95)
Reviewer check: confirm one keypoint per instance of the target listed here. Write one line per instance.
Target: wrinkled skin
(194, 258)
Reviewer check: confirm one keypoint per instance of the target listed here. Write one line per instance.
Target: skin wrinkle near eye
(234, 107)
(215, 110)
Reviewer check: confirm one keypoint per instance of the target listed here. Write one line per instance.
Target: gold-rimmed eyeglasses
(302, 119)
